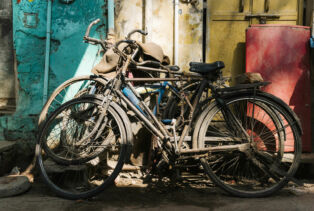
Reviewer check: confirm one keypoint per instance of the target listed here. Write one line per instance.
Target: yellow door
(276, 12)
(227, 21)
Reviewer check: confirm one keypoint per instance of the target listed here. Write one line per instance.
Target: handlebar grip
(143, 32)
(90, 26)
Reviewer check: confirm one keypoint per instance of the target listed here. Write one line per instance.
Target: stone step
(6, 145)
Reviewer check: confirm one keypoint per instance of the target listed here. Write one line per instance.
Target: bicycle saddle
(204, 68)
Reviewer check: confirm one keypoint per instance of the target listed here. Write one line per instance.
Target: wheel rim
(272, 140)
(86, 169)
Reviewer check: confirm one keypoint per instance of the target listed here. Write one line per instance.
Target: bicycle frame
(146, 115)
(158, 128)
(150, 120)
(219, 141)
(141, 110)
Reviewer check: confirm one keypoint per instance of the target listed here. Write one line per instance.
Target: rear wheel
(266, 142)
(70, 89)
(75, 169)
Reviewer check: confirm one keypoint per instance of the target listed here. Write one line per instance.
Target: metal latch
(262, 17)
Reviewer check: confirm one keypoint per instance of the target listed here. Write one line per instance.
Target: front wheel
(268, 146)
(77, 170)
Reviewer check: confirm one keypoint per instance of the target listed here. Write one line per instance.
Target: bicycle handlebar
(124, 41)
(89, 28)
(94, 40)
(138, 31)
(104, 43)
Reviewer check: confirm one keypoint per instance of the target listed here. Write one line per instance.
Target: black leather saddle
(206, 68)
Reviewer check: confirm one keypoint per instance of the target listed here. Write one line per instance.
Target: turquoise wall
(69, 56)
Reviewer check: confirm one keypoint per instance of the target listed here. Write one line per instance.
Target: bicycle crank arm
(277, 170)
(210, 139)
(238, 147)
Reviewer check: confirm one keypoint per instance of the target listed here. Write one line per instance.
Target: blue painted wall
(69, 55)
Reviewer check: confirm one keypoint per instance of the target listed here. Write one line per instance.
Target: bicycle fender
(122, 114)
(126, 121)
(199, 122)
(128, 129)
(277, 100)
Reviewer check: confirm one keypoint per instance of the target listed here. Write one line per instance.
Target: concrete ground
(163, 197)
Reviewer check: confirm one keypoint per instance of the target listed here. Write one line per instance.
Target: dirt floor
(188, 196)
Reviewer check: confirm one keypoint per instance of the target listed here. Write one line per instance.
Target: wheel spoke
(80, 170)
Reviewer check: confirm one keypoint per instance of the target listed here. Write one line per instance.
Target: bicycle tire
(84, 179)
(64, 93)
(275, 169)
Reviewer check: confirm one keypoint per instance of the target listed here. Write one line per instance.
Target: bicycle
(230, 136)
(86, 84)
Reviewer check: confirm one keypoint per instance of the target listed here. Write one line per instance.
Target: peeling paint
(159, 21)
(128, 16)
(191, 34)
(69, 56)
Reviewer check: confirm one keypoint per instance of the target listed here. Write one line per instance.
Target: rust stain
(192, 28)
(156, 11)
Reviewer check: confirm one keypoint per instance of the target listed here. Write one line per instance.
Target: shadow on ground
(161, 197)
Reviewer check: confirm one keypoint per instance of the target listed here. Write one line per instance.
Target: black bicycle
(245, 140)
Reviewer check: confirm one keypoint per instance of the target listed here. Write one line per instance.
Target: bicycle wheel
(70, 89)
(268, 146)
(81, 170)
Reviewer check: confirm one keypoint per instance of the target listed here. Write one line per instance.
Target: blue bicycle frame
(149, 89)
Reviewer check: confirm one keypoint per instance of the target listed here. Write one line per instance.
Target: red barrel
(281, 54)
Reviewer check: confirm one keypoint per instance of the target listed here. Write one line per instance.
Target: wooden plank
(307, 158)
(6, 145)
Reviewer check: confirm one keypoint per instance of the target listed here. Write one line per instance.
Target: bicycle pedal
(282, 173)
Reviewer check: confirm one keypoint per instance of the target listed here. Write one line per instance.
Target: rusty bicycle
(247, 141)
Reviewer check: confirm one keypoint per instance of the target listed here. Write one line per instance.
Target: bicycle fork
(100, 124)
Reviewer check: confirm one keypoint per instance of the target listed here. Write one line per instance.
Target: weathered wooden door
(227, 21)
(7, 75)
